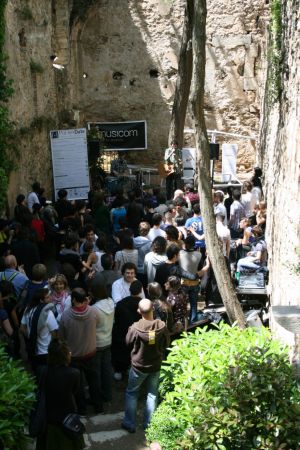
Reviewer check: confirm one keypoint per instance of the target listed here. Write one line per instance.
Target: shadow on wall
(116, 73)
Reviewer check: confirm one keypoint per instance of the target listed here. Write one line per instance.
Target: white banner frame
(70, 164)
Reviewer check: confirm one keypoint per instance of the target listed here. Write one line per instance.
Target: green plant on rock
(36, 67)
(275, 52)
(6, 126)
(16, 399)
(227, 389)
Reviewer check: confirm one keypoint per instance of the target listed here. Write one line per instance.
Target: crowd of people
(126, 274)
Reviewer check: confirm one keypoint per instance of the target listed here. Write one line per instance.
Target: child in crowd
(162, 309)
(60, 295)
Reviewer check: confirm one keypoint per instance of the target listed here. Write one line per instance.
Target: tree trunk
(184, 76)
(214, 250)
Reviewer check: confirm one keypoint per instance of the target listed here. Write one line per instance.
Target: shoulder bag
(73, 426)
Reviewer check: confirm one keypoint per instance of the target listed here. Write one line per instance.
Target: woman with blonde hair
(60, 294)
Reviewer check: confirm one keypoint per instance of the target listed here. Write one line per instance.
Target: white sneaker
(118, 376)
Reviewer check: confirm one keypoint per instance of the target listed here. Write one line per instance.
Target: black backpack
(32, 339)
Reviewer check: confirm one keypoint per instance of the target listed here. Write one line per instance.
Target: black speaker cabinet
(214, 150)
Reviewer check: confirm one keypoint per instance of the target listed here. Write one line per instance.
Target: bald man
(16, 277)
(149, 339)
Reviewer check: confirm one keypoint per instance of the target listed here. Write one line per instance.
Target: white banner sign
(70, 162)
(229, 155)
(189, 164)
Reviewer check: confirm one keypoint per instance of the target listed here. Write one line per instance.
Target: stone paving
(104, 430)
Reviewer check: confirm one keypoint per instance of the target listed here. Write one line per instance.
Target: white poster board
(189, 164)
(70, 162)
(229, 155)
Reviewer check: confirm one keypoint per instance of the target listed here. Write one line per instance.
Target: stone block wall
(120, 63)
(33, 106)
(280, 158)
(234, 71)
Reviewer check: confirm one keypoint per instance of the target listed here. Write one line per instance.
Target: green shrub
(275, 53)
(16, 399)
(227, 389)
(166, 428)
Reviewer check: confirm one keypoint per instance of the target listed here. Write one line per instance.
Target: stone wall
(127, 51)
(280, 157)
(33, 105)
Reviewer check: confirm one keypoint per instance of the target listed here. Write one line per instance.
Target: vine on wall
(6, 126)
(275, 53)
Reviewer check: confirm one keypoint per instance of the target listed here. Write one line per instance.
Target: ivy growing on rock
(275, 53)
(6, 126)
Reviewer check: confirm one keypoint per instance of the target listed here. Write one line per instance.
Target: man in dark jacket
(171, 267)
(149, 339)
(126, 313)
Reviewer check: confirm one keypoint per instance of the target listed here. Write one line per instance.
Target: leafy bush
(227, 389)
(16, 399)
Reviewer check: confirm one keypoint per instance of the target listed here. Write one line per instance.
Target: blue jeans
(246, 263)
(135, 381)
(192, 292)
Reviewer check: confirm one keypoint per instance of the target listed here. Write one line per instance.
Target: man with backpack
(148, 339)
(17, 277)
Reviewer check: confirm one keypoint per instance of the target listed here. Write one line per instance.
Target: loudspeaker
(214, 150)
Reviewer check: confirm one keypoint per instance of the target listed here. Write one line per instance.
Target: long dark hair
(159, 245)
(58, 353)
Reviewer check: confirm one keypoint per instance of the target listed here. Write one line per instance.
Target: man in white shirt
(33, 196)
(120, 288)
(156, 230)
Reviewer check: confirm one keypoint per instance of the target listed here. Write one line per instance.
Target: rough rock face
(280, 156)
(127, 51)
(33, 105)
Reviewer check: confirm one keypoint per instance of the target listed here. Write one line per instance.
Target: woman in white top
(247, 198)
(127, 253)
(223, 233)
(60, 295)
(257, 187)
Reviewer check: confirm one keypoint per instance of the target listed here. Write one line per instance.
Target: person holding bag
(63, 429)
